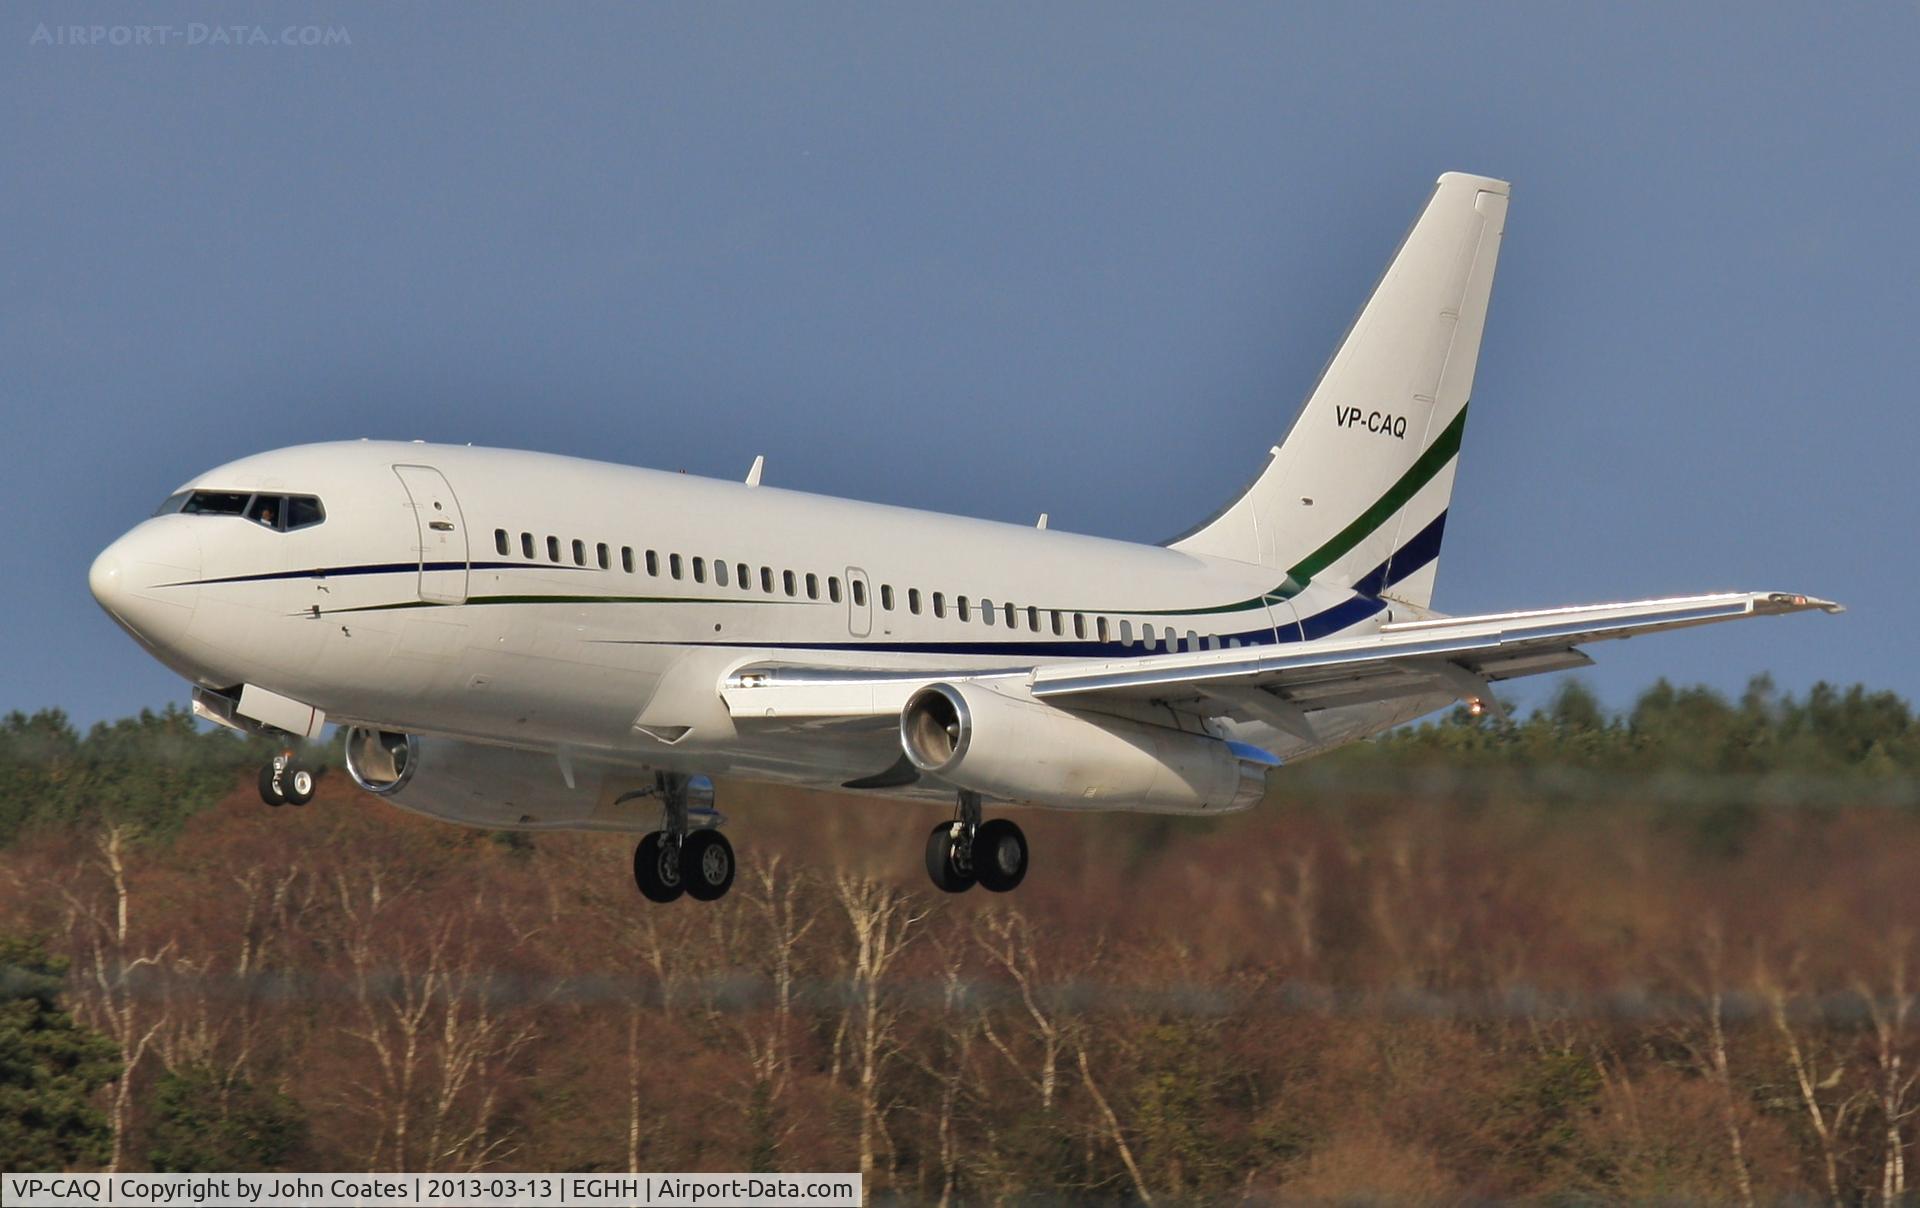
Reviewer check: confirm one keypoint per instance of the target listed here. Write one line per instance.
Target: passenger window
(986, 611)
(960, 605)
(1146, 635)
(886, 596)
(579, 552)
(1080, 625)
(1104, 632)
(1193, 641)
(939, 605)
(1059, 630)
(606, 557)
(1126, 633)
(699, 570)
(720, 572)
(1011, 623)
(787, 581)
(626, 558)
(526, 545)
(673, 565)
(833, 588)
(913, 600)
(553, 549)
(1033, 619)
(500, 540)
(653, 564)
(766, 579)
(745, 576)
(813, 586)
(859, 593)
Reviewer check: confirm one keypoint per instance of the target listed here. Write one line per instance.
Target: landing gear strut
(285, 780)
(680, 858)
(968, 851)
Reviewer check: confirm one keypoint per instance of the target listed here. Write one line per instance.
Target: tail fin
(1357, 494)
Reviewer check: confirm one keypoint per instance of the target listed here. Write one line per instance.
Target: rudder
(1357, 494)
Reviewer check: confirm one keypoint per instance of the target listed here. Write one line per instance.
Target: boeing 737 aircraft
(520, 640)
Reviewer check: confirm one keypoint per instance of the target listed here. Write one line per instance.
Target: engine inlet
(935, 728)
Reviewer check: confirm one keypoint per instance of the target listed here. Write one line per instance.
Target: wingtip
(1784, 601)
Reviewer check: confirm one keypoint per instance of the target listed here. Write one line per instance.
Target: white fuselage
(402, 611)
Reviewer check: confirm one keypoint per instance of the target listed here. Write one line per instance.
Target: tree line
(1668, 954)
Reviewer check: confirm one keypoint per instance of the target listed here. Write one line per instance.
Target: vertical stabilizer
(1357, 493)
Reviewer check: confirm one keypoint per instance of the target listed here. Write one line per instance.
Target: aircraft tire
(271, 792)
(297, 783)
(946, 875)
(999, 855)
(656, 870)
(706, 865)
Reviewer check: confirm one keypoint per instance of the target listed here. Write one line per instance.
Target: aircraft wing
(1461, 655)
(1279, 685)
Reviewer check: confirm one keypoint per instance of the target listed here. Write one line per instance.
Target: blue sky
(998, 260)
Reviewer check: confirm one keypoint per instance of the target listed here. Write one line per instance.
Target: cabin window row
(793, 584)
(718, 571)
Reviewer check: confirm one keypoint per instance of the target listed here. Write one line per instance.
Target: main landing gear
(967, 851)
(688, 854)
(285, 780)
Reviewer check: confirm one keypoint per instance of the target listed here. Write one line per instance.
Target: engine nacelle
(496, 788)
(1020, 749)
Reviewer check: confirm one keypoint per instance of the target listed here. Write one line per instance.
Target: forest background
(1669, 953)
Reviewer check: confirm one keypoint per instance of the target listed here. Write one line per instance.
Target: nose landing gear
(686, 855)
(285, 780)
(968, 851)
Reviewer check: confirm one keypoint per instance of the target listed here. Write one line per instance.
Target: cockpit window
(278, 512)
(304, 511)
(216, 503)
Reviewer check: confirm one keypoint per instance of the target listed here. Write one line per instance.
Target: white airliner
(519, 640)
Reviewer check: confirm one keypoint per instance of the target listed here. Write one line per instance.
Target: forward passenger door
(442, 534)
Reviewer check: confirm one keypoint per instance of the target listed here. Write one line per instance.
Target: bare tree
(440, 1041)
(1116, 1132)
(777, 901)
(215, 1001)
(1709, 1049)
(1891, 1015)
(1007, 937)
(882, 921)
(1811, 1076)
(109, 996)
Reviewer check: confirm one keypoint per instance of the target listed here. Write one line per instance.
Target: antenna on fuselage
(1043, 521)
(759, 464)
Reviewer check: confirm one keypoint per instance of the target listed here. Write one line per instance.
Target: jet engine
(1019, 749)
(497, 788)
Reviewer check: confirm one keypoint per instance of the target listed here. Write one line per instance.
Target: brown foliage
(1422, 998)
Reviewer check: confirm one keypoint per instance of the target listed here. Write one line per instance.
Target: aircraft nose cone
(106, 579)
(136, 580)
